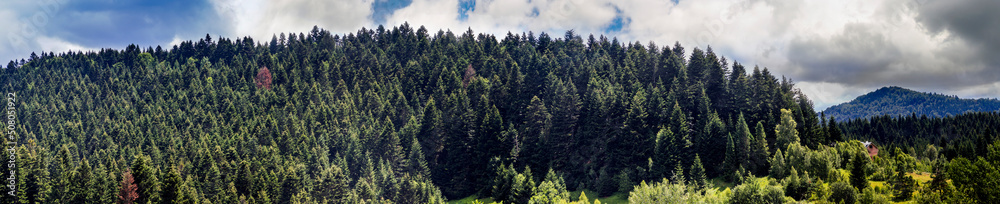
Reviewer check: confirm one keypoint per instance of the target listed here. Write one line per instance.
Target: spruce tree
(859, 178)
(785, 131)
(697, 173)
(760, 151)
(172, 187)
(778, 165)
(146, 180)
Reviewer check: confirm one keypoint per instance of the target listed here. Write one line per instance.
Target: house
(872, 149)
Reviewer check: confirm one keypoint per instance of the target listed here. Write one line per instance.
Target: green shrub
(757, 190)
(843, 192)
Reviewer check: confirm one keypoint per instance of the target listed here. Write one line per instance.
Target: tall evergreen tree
(786, 132)
(759, 151)
(146, 180)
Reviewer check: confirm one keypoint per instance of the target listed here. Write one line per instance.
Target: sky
(833, 50)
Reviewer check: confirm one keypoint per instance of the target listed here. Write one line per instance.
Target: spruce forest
(407, 115)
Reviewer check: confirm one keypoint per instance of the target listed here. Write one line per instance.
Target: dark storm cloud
(865, 54)
(975, 21)
(855, 56)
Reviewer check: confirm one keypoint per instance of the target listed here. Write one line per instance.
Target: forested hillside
(405, 115)
(896, 101)
(964, 135)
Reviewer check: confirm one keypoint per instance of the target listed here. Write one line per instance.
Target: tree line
(400, 115)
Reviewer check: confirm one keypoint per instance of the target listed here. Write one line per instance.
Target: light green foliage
(551, 190)
(757, 191)
(798, 185)
(671, 192)
(778, 166)
(785, 131)
(511, 186)
(841, 192)
(869, 195)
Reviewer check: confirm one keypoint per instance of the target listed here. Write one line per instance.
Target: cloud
(262, 19)
(974, 21)
(56, 45)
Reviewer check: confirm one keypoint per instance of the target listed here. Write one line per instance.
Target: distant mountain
(895, 101)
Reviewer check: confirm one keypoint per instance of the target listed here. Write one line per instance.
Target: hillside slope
(896, 101)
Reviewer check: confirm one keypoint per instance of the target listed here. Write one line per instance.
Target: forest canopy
(405, 115)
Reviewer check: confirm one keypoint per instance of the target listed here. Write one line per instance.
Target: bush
(796, 186)
(843, 192)
(667, 192)
(869, 195)
(757, 190)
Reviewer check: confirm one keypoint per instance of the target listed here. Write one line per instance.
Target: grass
(921, 177)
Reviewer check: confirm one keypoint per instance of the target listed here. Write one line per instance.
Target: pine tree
(698, 173)
(778, 165)
(713, 145)
(146, 180)
(859, 179)
(172, 187)
(662, 157)
(743, 142)
(681, 149)
(128, 191)
(83, 184)
(432, 133)
(417, 165)
(732, 162)
(538, 122)
(760, 151)
(786, 132)
(834, 131)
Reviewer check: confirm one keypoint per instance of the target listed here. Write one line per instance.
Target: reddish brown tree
(470, 74)
(129, 191)
(263, 79)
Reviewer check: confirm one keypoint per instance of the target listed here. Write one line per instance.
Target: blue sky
(834, 50)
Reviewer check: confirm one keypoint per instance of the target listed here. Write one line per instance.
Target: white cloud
(56, 45)
(261, 19)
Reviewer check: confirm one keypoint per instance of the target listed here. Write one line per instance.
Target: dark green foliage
(798, 185)
(976, 179)
(146, 179)
(859, 177)
(759, 152)
(964, 135)
(384, 115)
(172, 186)
(896, 101)
(697, 173)
(841, 192)
(512, 186)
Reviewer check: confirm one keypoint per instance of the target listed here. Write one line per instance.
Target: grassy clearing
(921, 177)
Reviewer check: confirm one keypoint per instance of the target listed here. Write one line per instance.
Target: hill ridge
(896, 101)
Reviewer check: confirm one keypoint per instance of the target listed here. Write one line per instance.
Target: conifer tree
(146, 180)
(760, 151)
(786, 132)
(128, 191)
(172, 187)
(698, 173)
(859, 178)
(778, 165)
